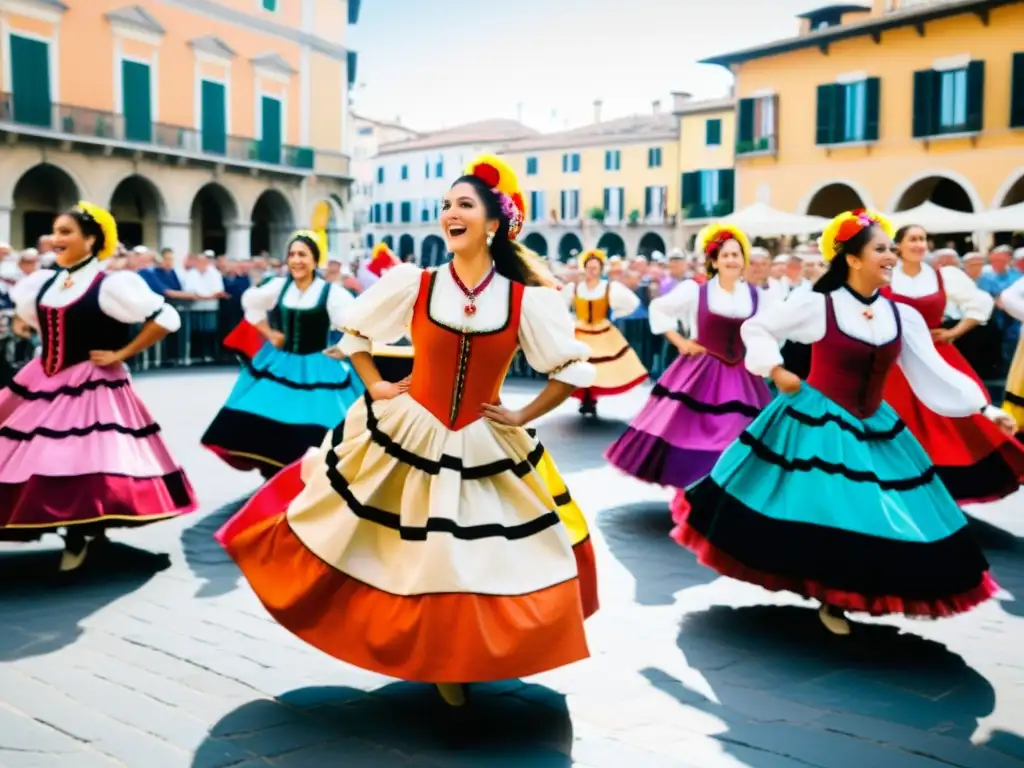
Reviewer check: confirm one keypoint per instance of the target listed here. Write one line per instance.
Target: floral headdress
(711, 239)
(319, 239)
(382, 258)
(847, 225)
(593, 253)
(497, 174)
(106, 224)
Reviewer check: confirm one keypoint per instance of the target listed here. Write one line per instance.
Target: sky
(439, 64)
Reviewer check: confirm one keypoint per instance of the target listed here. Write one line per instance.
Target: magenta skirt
(80, 448)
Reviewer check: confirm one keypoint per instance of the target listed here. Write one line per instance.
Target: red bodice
(720, 335)
(455, 371)
(851, 372)
(932, 307)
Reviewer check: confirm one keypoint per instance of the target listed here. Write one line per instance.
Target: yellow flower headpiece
(714, 236)
(500, 177)
(319, 239)
(847, 225)
(593, 253)
(106, 224)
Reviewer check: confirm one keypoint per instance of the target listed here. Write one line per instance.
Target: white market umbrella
(760, 220)
(1008, 219)
(935, 218)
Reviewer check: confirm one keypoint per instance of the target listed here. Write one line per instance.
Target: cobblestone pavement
(159, 656)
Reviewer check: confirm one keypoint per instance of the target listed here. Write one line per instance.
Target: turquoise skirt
(814, 500)
(281, 405)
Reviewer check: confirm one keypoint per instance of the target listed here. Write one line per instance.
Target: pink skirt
(80, 448)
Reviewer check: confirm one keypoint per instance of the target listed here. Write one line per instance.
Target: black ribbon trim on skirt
(434, 467)
(718, 409)
(66, 391)
(260, 373)
(985, 478)
(859, 563)
(1010, 397)
(610, 358)
(257, 437)
(595, 331)
(766, 454)
(434, 524)
(864, 435)
(59, 434)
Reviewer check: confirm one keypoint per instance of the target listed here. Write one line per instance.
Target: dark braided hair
(89, 226)
(838, 268)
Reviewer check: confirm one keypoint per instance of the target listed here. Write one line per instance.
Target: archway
(406, 247)
(650, 243)
(389, 241)
(1015, 194)
(272, 223)
(327, 217)
(138, 207)
(39, 195)
(832, 199)
(569, 247)
(536, 243)
(612, 244)
(937, 189)
(213, 212)
(433, 251)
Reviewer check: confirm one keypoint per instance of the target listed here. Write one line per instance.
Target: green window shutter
(690, 197)
(726, 192)
(925, 105)
(136, 101)
(975, 96)
(826, 110)
(214, 117)
(269, 5)
(1017, 92)
(352, 60)
(30, 81)
(745, 129)
(270, 141)
(839, 114)
(713, 132)
(872, 108)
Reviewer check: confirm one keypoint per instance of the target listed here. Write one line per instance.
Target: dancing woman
(1011, 301)
(827, 494)
(290, 393)
(428, 539)
(706, 398)
(79, 452)
(975, 460)
(594, 300)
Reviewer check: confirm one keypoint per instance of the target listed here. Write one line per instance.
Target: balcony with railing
(80, 124)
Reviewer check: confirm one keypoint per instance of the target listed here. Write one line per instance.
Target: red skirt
(974, 459)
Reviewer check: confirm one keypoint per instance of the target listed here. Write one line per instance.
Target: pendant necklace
(69, 278)
(470, 308)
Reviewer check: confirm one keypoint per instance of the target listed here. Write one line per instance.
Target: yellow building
(886, 105)
(707, 138)
(613, 184)
(218, 125)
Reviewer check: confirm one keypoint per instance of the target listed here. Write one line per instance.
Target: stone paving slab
(159, 656)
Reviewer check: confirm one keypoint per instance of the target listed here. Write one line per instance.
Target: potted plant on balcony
(596, 214)
(634, 217)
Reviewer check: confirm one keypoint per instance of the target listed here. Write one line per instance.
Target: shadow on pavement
(40, 609)
(206, 558)
(402, 724)
(1005, 553)
(578, 443)
(786, 688)
(637, 535)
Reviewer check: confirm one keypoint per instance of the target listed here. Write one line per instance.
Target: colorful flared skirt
(281, 406)
(974, 459)
(697, 409)
(1013, 397)
(421, 553)
(618, 366)
(813, 500)
(80, 449)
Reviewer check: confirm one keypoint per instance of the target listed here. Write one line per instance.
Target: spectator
(757, 269)
(677, 269)
(28, 262)
(778, 268)
(996, 278)
(207, 285)
(974, 265)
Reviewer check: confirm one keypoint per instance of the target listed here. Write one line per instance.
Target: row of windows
(435, 166)
(571, 162)
(947, 101)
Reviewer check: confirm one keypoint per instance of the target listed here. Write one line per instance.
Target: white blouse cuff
(576, 373)
(254, 316)
(167, 317)
(662, 323)
(352, 344)
(992, 413)
(761, 362)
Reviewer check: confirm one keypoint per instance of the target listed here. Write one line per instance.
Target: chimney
(519, 112)
(597, 110)
(680, 100)
(656, 106)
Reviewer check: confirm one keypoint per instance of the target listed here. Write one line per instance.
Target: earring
(490, 239)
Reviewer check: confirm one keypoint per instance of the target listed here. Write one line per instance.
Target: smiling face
(464, 219)
(875, 261)
(914, 245)
(593, 268)
(70, 246)
(301, 262)
(729, 262)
